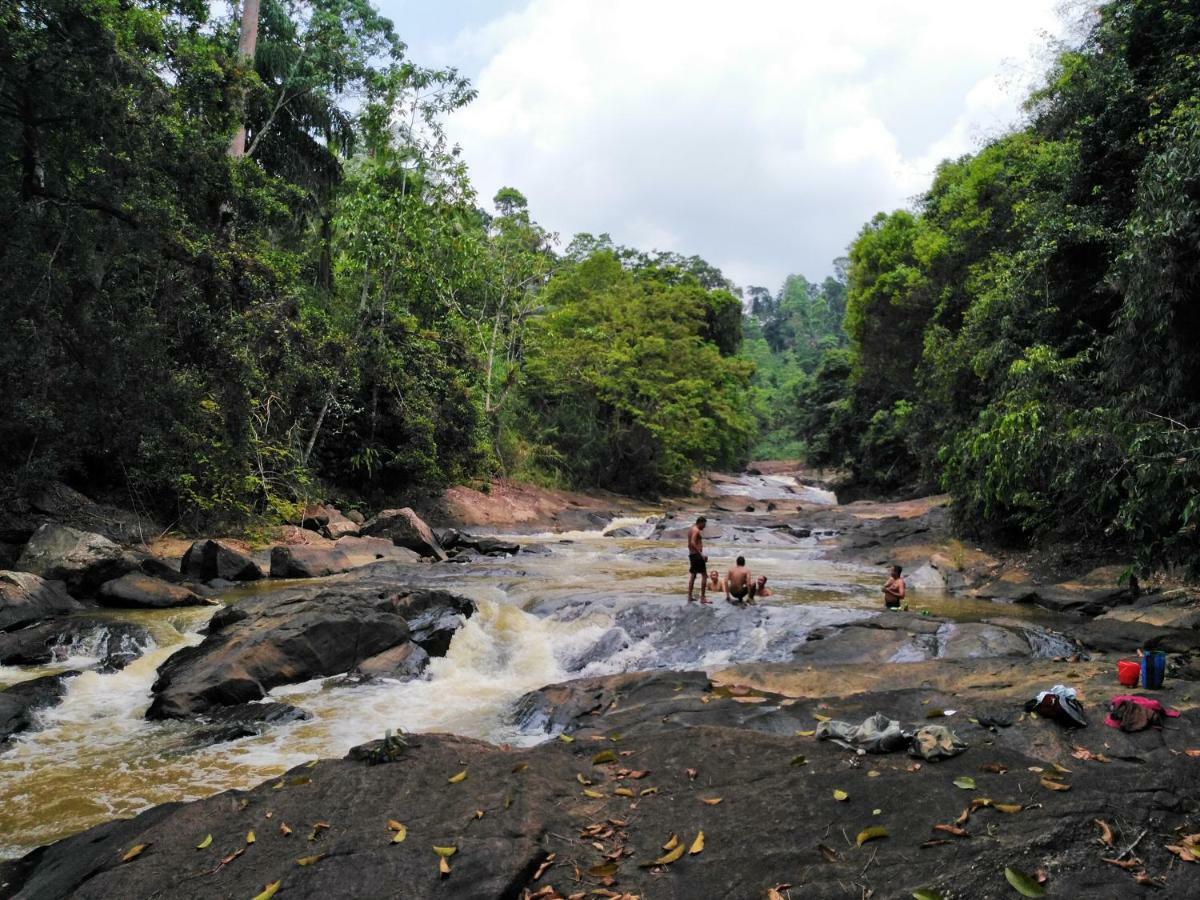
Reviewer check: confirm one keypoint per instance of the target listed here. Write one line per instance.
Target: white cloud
(760, 135)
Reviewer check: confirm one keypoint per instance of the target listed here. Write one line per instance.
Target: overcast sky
(759, 134)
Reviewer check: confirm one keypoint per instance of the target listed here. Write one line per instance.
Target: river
(588, 604)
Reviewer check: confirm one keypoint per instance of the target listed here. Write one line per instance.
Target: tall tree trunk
(246, 44)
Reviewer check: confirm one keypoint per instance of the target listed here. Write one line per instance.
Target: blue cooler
(1154, 668)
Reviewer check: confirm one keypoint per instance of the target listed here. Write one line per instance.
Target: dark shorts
(698, 566)
(739, 593)
(892, 602)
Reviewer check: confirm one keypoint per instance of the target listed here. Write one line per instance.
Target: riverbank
(605, 601)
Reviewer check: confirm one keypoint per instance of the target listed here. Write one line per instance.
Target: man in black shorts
(697, 561)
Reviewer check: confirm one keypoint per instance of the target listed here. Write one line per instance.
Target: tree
(624, 386)
(247, 41)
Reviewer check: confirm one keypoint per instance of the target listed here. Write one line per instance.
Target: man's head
(896, 570)
(701, 522)
(762, 581)
(741, 560)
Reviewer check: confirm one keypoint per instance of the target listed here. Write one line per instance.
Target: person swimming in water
(761, 589)
(715, 584)
(893, 589)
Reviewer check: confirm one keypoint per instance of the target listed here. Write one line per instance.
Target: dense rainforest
(1028, 336)
(234, 278)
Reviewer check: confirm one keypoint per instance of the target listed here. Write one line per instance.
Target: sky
(758, 134)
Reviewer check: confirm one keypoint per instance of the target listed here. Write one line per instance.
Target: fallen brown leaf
(829, 853)
(952, 829)
(1106, 833)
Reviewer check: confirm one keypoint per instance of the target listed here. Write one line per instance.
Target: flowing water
(590, 604)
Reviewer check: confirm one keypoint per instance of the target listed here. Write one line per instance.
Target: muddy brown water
(94, 757)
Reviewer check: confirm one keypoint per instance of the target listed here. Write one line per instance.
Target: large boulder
(26, 598)
(405, 529)
(308, 562)
(18, 703)
(329, 521)
(342, 555)
(209, 560)
(339, 526)
(261, 644)
(140, 591)
(80, 559)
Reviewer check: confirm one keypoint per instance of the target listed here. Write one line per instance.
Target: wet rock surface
(139, 591)
(295, 636)
(228, 723)
(19, 702)
(113, 644)
(650, 750)
(26, 598)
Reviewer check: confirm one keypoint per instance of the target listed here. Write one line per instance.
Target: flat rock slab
(135, 590)
(282, 639)
(26, 598)
(667, 747)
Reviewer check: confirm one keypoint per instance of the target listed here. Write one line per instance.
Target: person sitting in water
(715, 584)
(760, 587)
(739, 584)
(893, 589)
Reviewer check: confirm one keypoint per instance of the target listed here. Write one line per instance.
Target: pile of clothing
(1059, 704)
(1130, 712)
(879, 734)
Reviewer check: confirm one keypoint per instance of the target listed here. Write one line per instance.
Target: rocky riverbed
(595, 710)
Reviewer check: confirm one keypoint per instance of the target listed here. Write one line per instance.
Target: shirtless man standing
(697, 561)
(739, 584)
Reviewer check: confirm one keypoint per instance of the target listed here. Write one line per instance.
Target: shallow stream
(590, 605)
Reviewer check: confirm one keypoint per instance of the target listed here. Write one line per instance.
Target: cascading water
(588, 604)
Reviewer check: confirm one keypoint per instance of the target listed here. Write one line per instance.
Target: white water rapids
(592, 605)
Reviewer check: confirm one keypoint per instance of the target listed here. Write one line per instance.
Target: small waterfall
(112, 646)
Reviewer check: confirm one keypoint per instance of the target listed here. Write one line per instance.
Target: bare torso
(738, 579)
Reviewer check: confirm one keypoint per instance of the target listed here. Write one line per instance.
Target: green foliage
(788, 337)
(1028, 335)
(226, 338)
(624, 384)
